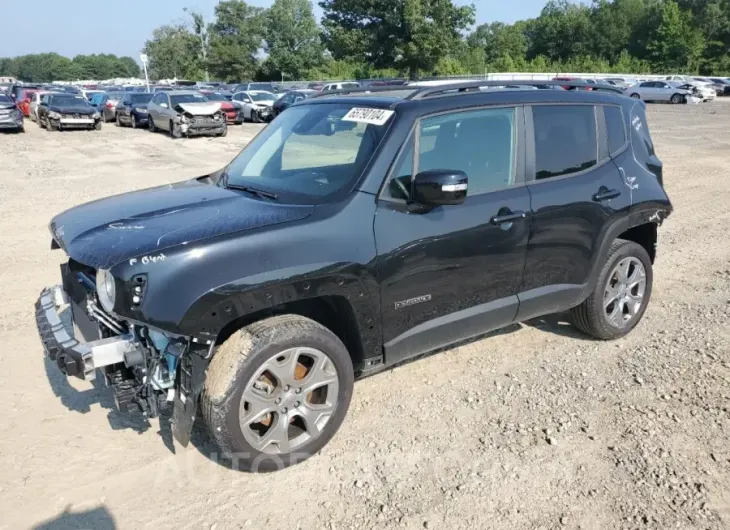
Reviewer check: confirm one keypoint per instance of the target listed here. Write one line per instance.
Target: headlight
(184, 119)
(96, 115)
(106, 288)
(141, 111)
(54, 115)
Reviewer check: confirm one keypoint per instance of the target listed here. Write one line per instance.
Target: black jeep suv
(359, 229)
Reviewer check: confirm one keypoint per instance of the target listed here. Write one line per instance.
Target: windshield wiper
(253, 191)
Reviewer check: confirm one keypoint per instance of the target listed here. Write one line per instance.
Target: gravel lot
(532, 427)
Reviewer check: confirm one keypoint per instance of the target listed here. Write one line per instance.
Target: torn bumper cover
(74, 358)
(200, 125)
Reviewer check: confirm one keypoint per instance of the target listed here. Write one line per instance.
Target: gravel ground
(532, 427)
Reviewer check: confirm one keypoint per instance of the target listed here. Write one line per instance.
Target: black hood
(72, 109)
(102, 233)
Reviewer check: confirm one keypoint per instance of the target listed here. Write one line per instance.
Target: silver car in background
(663, 91)
(186, 113)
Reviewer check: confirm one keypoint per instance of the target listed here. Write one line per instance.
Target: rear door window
(566, 140)
(616, 128)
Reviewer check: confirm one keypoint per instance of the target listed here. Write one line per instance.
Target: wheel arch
(347, 304)
(644, 235)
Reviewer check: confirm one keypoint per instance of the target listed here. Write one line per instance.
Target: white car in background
(35, 103)
(345, 85)
(703, 90)
(257, 105)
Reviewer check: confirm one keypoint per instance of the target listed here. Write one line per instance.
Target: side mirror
(438, 187)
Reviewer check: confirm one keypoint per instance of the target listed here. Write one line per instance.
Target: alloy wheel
(289, 400)
(624, 292)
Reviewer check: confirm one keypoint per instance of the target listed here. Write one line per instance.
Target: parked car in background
(698, 89)
(663, 91)
(17, 90)
(620, 82)
(724, 84)
(24, 99)
(186, 113)
(288, 99)
(330, 87)
(315, 86)
(233, 112)
(90, 93)
(257, 105)
(259, 87)
(719, 88)
(35, 103)
(67, 111)
(132, 109)
(11, 117)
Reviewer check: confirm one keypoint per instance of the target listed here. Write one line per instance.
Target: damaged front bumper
(54, 314)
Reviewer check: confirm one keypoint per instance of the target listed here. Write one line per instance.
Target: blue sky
(108, 26)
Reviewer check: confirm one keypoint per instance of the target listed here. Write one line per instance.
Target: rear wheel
(277, 391)
(622, 293)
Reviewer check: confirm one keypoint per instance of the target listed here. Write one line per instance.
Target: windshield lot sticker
(371, 116)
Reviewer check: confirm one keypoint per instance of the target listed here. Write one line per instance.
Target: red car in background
(572, 79)
(24, 99)
(232, 112)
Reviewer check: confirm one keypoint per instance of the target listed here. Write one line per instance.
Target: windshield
(262, 96)
(74, 101)
(188, 98)
(311, 153)
(140, 99)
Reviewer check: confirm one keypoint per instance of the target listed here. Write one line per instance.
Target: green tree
(236, 36)
(292, 39)
(200, 30)
(410, 34)
(676, 46)
(500, 40)
(173, 53)
(562, 30)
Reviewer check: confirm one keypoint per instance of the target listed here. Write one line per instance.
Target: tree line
(48, 67)
(387, 38)
(415, 38)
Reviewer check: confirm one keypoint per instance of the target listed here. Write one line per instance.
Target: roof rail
(465, 86)
(365, 90)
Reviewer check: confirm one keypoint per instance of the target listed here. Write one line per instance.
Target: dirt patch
(532, 427)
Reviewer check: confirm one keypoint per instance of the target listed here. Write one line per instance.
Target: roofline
(418, 93)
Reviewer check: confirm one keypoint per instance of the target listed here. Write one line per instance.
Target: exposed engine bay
(146, 369)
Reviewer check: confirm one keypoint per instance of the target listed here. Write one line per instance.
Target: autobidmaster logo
(413, 301)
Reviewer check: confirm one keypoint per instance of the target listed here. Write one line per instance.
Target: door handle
(510, 217)
(606, 195)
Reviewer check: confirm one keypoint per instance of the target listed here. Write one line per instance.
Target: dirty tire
(238, 359)
(590, 316)
(676, 99)
(224, 133)
(97, 126)
(175, 131)
(151, 125)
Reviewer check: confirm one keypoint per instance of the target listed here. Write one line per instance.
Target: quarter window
(565, 139)
(480, 143)
(615, 128)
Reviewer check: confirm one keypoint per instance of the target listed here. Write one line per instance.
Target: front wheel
(133, 121)
(635, 96)
(676, 99)
(151, 125)
(175, 131)
(277, 391)
(97, 125)
(621, 295)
